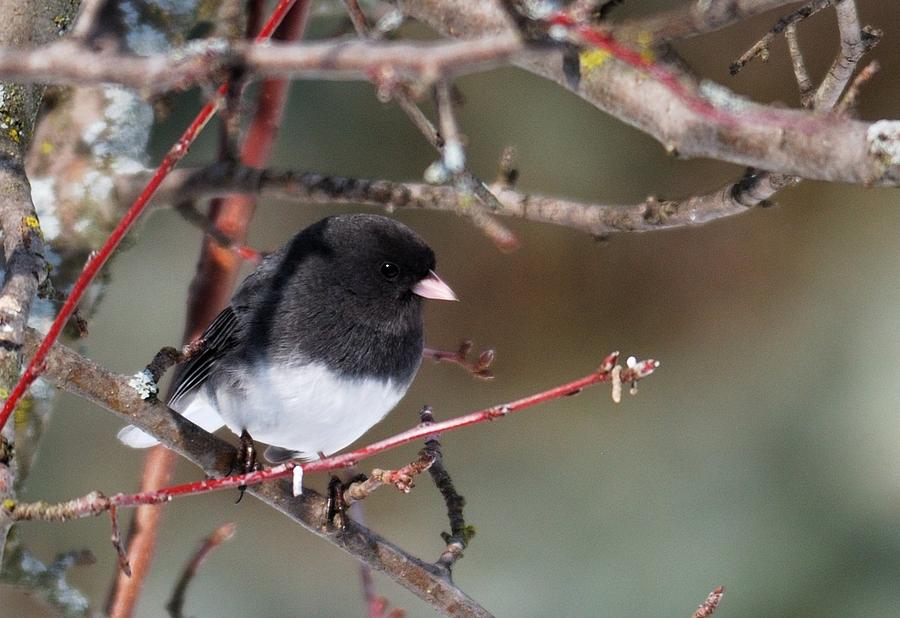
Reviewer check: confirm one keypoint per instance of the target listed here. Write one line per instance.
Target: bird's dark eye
(390, 270)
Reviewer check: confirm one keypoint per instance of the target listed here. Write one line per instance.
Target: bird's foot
(245, 460)
(336, 507)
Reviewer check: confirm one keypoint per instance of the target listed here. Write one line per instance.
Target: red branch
(99, 258)
(604, 373)
(216, 272)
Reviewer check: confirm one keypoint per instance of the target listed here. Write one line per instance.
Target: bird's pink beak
(433, 287)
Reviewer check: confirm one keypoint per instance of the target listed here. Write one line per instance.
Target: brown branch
(222, 534)
(793, 142)
(82, 377)
(804, 83)
(67, 62)
(23, 242)
(401, 478)
(855, 42)
(598, 219)
(786, 141)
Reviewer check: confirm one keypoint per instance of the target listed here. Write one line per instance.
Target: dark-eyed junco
(318, 344)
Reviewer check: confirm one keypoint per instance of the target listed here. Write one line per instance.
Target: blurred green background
(762, 455)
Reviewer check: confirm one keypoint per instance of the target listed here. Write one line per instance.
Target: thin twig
(804, 83)
(761, 47)
(855, 42)
(401, 478)
(460, 533)
(222, 534)
(709, 606)
(188, 210)
(479, 368)
(116, 539)
(848, 102)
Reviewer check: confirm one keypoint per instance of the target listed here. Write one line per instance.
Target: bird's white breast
(307, 408)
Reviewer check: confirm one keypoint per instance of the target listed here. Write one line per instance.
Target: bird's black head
(376, 258)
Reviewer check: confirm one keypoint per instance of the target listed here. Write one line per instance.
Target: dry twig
(222, 534)
(709, 606)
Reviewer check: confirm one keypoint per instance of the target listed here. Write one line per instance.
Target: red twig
(632, 374)
(98, 259)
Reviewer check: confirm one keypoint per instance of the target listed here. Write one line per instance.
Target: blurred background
(761, 456)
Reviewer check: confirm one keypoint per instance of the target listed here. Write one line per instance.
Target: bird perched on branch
(318, 344)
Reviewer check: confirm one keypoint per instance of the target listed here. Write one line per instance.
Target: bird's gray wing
(219, 339)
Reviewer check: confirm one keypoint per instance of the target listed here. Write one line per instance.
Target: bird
(318, 344)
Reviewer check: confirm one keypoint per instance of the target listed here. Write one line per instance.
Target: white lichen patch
(144, 384)
(9, 305)
(883, 139)
(43, 312)
(722, 97)
(200, 47)
(93, 131)
(128, 120)
(43, 195)
(98, 186)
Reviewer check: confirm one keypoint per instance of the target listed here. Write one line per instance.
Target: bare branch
(480, 368)
(68, 62)
(761, 48)
(23, 242)
(793, 142)
(804, 83)
(855, 42)
(598, 219)
(849, 100)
